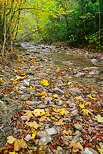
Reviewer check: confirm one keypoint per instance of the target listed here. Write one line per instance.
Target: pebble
(41, 133)
(79, 74)
(74, 112)
(24, 117)
(26, 83)
(78, 126)
(25, 97)
(45, 140)
(75, 90)
(51, 131)
(34, 102)
(60, 102)
(58, 91)
(90, 151)
(28, 137)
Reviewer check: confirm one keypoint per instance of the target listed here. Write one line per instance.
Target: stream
(78, 62)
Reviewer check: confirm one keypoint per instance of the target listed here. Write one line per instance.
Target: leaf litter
(48, 96)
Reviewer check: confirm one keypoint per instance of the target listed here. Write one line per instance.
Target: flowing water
(74, 59)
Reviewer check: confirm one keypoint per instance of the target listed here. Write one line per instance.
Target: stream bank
(44, 105)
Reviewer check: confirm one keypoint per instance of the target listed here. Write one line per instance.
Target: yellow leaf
(101, 151)
(58, 69)
(33, 124)
(18, 144)
(62, 111)
(44, 82)
(86, 112)
(55, 96)
(28, 114)
(2, 80)
(67, 132)
(81, 106)
(99, 118)
(31, 87)
(34, 132)
(38, 112)
(69, 83)
(76, 146)
(22, 73)
(43, 93)
(91, 97)
(13, 153)
(10, 139)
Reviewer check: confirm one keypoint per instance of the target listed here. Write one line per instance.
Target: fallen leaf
(2, 80)
(79, 98)
(76, 146)
(10, 139)
(81, 106)
(15, 89)
(91, 97)
(44, 82)
(28, 114)
(62, 111)
(18, 144)
(22, 73)
(33, 124)
(34, 132)
(99, 118)
(86, 112)
(69, 83)
(38, 112)
(55, 96)
(60, 122)
(13, 153)
(43, 93)
(67, 132)
(101, 151)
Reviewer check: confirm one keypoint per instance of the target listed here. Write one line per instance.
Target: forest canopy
(48, 21)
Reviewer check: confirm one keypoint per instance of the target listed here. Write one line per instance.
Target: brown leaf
(76, 146)
(60, 122)
(18, 144)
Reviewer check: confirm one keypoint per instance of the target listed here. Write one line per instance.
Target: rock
(80, 74)
(78, 134)
(60, 102)
(47, 100)
(60, 149)
(94, 61)
(51, 131)
(34, 102)
(26, 83)
(25, 97)
(68, 138)
(90, 151)
(24, 117)
(93, 72)
(94, 68)
(72, 105)
(58, 91)
(41, 133)
(30, 71)
(101, 145)
(22, 88)
(74, 112)
(45, 140)
(75, 90)
(1, 95)
(28, 137)
(78, 126)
